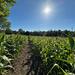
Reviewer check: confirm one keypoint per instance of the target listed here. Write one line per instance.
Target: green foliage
(55, 51)
(57, 67)
(4, 13)
(9, 46)
(71, 41)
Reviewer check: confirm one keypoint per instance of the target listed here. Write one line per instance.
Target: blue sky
(29, 15)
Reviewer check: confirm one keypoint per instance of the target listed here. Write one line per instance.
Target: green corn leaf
(5, 72)
(6, 58)
(68, 61)
(70, 58)
(1, 64)
(58, 67)
(63, 70)
(71, 40)
(2, 39)
(8, 66)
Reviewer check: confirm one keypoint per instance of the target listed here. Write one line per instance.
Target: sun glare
(47, 10)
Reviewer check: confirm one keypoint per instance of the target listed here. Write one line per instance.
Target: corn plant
(57, 54)
(9, 46)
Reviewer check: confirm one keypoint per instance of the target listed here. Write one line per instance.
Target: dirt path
(28, 64)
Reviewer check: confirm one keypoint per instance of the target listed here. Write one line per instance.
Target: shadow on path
(30, 63)
(35, 64)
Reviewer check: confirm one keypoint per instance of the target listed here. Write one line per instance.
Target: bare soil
(29, 63)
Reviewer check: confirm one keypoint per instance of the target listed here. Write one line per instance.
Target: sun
(47, 10)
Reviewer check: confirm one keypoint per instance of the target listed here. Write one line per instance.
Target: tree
(8, 31)
(27, 33)
(4, 13)
(59, 33)
(20, 31)
(15, 32)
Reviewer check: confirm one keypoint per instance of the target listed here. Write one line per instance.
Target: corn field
(57, 54)
(9, 49)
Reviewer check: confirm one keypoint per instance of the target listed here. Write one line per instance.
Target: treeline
(39, 33)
